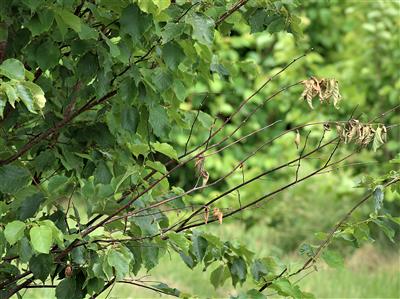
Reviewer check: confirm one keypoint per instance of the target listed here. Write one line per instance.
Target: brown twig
(146, 287)
(268, 195)
(194, 122)
(234, 8)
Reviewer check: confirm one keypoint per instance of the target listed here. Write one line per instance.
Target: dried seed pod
(68, 271)
(324, 89)
(218, 214)
(361, 134)
(297, 139)
(199, 164)
(206, 214)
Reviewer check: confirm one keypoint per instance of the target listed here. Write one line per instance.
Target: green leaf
(12, 69)
(56, 183)
(68, 289)
(205, 119)
(38, 95)
(278, 24)
(121, 265)
(257, 19)
(25, 250)
(129, 119)
(13, 178)
(180, 90)
(218, 276)
(11, 93)
(114, 49)
(41, 22)
(44, 161)
(147, 224)
(393, 219)
(165, 149)
(30, 205)
(95, 285)
(203, 28)
(258, 269)
(173, 55)
(33, 4)
(238, 270)
(47, 55)
(131, 171)
(14, 231)
(71, 21)
(333, 259)
(385, 227)
(378, 197)
(167, 289)
(136, 250)
(2, 106)
(255, 294)
(87, 67)
(41, 266)
(102, 174)
(180, 241)
(284, 287)
(41, 238)
(26, 96)
(218, 68)
(150, 255)
(161, 4)
(106, 268)
(172, 31)
(57, 235)
(162, 79)
(199, 246)
(87, 32)
(306, 249)
(133, 22)
(158, 120)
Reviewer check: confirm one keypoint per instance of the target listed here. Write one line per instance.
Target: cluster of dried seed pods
(324, 89)
(362, 134)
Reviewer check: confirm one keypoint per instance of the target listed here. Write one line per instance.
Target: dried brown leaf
(324, 89)
(206, 214)
(218, 214)
(297, 139)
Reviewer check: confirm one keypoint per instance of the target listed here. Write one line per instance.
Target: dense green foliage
(127, 124)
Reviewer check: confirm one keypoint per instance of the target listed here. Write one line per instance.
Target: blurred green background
(355, 42)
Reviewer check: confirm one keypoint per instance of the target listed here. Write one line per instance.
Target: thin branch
(164, 201)
(268, 283)
(242, 138)
(41, 286)
(15, 278)
(268, 195)
(194, 122)
(186, 11)
(249, 181)
(106, 286)
(234, 8)
(245, 101)
(146, 287)
(301, 153)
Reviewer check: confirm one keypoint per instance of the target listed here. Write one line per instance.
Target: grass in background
(383, 282)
